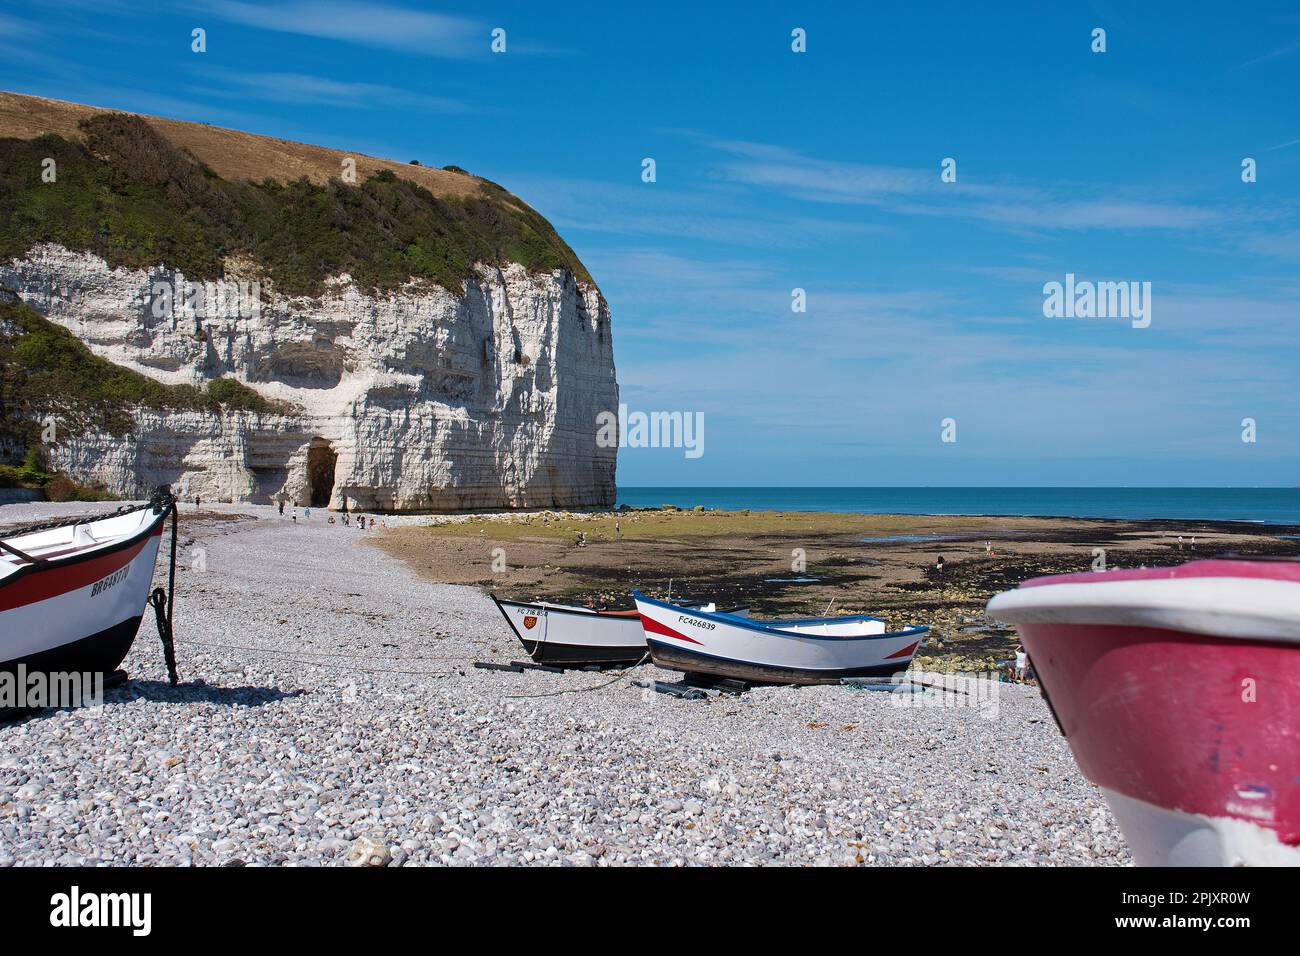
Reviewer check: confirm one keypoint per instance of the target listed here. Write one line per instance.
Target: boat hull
(671, 657)
(724, 645)
(1192, 731)
(560, 636)
(78, 612)
(99, 654)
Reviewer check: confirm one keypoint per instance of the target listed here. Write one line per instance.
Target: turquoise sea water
(1270, 505)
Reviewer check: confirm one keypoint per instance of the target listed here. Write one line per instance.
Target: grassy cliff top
(229, 153)
(143, 191)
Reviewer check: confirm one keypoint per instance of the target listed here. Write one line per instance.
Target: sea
(1262, 505)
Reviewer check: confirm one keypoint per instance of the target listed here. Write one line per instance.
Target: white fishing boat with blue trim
(821, 650)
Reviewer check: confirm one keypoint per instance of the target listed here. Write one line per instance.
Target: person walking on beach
(295, 514)
(1022, 663)
(281, 507)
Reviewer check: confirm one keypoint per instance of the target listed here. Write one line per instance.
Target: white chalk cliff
(412, 400)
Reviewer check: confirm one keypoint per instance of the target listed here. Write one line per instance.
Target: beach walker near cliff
(1178, 690)
(72, 594)
(821, 650)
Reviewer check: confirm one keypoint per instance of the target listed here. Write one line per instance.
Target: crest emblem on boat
(530, 621)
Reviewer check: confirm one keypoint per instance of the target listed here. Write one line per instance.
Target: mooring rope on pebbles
(282, 655)
(262, 650)
(582, 690)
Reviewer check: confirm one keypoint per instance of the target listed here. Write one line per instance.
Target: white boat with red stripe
(572, 636)
(72, 594)
(1178, 690)
(820, 650)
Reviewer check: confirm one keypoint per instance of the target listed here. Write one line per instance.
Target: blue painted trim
(770, 628)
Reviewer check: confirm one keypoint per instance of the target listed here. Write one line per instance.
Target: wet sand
(796, 563)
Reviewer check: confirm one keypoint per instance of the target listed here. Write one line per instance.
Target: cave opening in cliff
(321, 459)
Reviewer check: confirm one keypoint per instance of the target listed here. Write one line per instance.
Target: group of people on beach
(363, 521)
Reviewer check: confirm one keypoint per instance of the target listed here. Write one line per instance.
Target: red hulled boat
(72, 593)
(1178, 690)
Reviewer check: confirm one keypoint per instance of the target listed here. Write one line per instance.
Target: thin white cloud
(909, 191)
(370, 24)
(1094, 214)
(1277, 53)
(14, 27)
(578, 205)
(761, 164)
(305, 88)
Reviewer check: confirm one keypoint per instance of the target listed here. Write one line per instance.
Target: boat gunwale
(626, 614)
(88, 553)
(1190, 605)
(75, 521)
(749, 623)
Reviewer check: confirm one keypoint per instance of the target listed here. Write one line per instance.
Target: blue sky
(821, 170)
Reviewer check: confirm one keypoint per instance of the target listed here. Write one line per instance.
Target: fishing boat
(1178, 690)
(72, 593)
(563, 634)
(821, 650)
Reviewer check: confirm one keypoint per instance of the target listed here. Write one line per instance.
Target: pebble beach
(329, 712)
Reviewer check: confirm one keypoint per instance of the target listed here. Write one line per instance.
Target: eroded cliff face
(412, 400)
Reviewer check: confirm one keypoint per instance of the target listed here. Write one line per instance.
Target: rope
(582, 690)
(388, 670)
(350, 667)
(356, 657)
(163, 601)
(17, 531)
(359, 670)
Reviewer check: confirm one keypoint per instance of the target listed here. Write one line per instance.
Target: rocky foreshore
(329, 711)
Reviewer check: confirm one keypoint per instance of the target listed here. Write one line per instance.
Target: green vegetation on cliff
(129, 195)
(46, 372)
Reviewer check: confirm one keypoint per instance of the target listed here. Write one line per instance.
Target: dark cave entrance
(321, 458)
